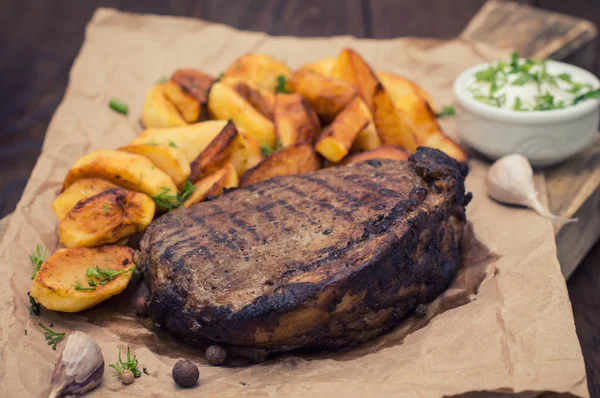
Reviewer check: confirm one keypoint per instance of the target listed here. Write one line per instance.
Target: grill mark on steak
(305, 287)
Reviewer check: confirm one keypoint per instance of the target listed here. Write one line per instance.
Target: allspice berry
(127, 377)
(185, 373)
(215, 355)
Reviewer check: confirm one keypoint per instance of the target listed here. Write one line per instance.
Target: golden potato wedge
(168, 158)
(352, 68)
(383, 152)
(259, 97)
(224, 103)
(326, 95)
(337, 138)
(192, 139)
(367, 138)
(295, 120)
(258, 68)
(427, 132)
(295, 159)
(127, 170)
(392, 124)
(323, 66)
(188, 91)
(214, 184)
(54, 285)
(158, 111)
(230, 146)
(80, 189)
(106, 218)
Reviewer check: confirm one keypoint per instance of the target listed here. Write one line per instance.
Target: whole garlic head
(80, 367)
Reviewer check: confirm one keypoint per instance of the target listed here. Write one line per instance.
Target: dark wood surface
(40, 40)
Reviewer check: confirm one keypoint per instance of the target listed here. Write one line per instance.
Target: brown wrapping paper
(505, 325)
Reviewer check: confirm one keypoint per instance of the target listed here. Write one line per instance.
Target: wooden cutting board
(573, 187)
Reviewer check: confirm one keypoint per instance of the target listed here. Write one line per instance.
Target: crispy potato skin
(216, 154)
(214, 184)
(167, 158)
(295, 120)
(54, 284)
(326, 95)
(224, 103)
(80, 189)
(158, 111)
(127, 170)
(408, 98)
(259, 97)
(393, 126)
(258, 68)
(295, 159)
(323, 66)
(188, 107)
(352, 68)
(337, 138)
(192, 139)
(383, 152)
(106, 218)
(193, 82)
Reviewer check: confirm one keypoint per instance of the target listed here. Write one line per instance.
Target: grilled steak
(325, 260)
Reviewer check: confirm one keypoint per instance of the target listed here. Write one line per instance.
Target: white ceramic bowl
(544, 137)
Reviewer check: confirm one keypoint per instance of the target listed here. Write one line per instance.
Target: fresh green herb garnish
(267, 150)
(281, 85)
(162, 80)
(172, 144)
(447, 110)
(118, 106)
(104, 275)
(167, 202)
(178, 218)
(145, 371)
(129, 364)
(79, 287)
(105, 209)
(520, 72)
(91, 282)
(51, 336)
(37, 257)
(34, 306)
(25, 331)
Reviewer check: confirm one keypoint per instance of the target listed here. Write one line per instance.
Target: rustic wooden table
(41, 39)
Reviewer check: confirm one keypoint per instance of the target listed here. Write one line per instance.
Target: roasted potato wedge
(158, 111)
(326, 95)
(80, 189)
(259, 97)
(367, 138)
(127, 170)
(392, 124)
(168, 158)
(427, 132)
(295, 120)
(214, 184)
(296, 159)
(54, 284)
(188, 91)
(352, 68)
(106, 218)
(224, 103)
(323, 66)
(258, 68)
(337, 138)
(230, 146)
(192, 139)
(383, 152)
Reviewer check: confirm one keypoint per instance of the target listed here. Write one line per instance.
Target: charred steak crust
(327, 259)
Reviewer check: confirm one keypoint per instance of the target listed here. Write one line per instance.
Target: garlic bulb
(510, 180)
(80, 367)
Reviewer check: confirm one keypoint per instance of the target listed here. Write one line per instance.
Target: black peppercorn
(185, 373)
(215, 355)
(421, 310)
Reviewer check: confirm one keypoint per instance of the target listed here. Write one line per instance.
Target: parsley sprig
(34, 306)
(131, 363)
(447, 110)
(281, 85)
(267, 150)
(52, 337)
(167, 201)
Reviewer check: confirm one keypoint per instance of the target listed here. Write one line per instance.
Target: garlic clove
(510, 180)
(80, 367)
